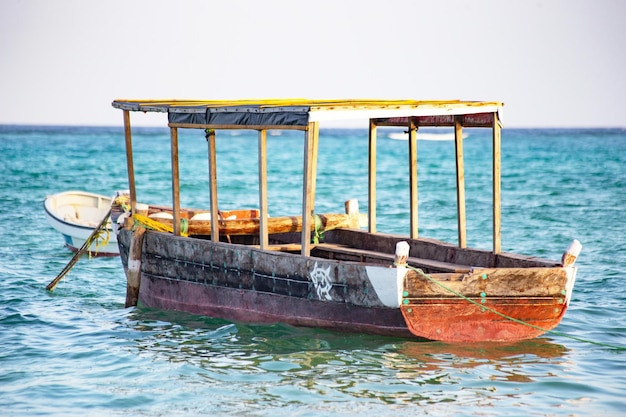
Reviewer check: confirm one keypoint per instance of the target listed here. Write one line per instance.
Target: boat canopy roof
(298, 113)
(306, 115)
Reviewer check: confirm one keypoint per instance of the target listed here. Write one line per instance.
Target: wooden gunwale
(346, 253)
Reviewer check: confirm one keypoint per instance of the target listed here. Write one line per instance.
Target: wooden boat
(324, 270)
(76, 214)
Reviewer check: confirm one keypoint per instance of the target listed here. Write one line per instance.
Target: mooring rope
(152, 224)
(95, 236)
(513, 319)
(318, 230)
(102, 237)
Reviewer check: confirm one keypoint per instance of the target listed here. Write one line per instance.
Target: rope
(123, 201)
(152, 224)
(554, 332)
(95, 235)
(318, 230)
(102, 239)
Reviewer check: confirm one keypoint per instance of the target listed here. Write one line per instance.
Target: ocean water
(77, 351)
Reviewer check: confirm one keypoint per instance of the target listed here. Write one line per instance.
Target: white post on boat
(352, 210)
(401, 262)
(263, 208)
(129, 161)
(571, 253)
(215, 232)
(372, 178)
(175, 181)
(413, 177)
(308, 184)
(460, 182)
(496, 183)
(402, 254)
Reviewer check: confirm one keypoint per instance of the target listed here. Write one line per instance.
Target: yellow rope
(93, 237)
(152, 224)
(122, 201)
(102, 238)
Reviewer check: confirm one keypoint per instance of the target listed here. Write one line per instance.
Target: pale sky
(554, 63)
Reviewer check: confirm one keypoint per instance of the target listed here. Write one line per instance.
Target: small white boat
(76, 214)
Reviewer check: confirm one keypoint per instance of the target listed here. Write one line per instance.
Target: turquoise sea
(77, 351)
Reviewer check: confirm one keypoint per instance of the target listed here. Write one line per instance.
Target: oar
(80, 252)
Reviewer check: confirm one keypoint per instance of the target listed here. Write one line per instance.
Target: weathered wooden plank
(274, 224)
(492, 282)
(456, 320)
(214, 264)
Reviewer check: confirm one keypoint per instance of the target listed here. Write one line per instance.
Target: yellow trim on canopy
(282, 102)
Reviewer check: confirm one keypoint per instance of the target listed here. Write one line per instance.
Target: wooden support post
(372, 178)
(263, 208)
(316, 132)
(413, 177)
(133, 275)
(175, 181)
(308, 184)
(129, 161)
(352, 210)
(460, 182)
(496, 184)
(215, 224)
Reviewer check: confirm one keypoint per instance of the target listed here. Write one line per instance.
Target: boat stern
(489, 304)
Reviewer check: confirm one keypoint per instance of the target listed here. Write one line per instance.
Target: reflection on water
(278, 363)
(509, 361)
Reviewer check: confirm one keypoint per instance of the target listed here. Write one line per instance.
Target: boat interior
(339, 237)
